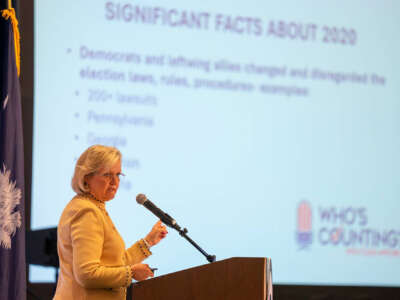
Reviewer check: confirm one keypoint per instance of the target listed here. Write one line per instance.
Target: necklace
(100, 204)
(94, 198)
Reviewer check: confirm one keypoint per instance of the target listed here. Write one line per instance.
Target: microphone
(164, 217)
(169, 221)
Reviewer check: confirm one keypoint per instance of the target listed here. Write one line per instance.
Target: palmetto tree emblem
(10, 217)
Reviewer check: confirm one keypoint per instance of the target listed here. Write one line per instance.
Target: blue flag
(12, 224)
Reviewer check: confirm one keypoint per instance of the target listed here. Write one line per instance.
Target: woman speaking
(94, 263)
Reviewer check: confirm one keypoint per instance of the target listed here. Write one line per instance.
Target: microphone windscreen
(141, 198)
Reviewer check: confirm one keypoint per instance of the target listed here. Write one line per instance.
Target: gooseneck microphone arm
(183, 232)
(169, 221)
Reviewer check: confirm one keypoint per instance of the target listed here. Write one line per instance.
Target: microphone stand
(183, 232)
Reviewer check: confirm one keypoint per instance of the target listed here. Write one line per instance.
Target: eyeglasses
(111, 176)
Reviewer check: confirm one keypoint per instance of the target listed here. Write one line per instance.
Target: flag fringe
(7, 14)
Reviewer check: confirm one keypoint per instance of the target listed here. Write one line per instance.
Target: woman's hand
(157, 233)
(141, 272)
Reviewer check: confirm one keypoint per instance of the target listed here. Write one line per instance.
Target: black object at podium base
(41, 247)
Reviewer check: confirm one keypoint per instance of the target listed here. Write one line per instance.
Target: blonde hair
(94, 158)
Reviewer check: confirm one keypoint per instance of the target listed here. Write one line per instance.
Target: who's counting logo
(304, 229)
(345, 227)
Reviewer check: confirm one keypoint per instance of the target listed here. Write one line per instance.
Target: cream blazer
(94, 263)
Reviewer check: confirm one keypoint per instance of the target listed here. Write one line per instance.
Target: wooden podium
(238, 278)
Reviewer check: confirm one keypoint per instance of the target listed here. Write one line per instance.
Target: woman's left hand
(157, 233)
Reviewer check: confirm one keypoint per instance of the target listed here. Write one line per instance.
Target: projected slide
(266, 129)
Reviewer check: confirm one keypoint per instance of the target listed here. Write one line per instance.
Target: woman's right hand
(141, 272)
